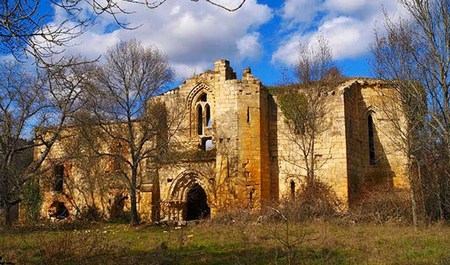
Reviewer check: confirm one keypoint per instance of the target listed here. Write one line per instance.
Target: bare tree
(406, 112)
(25, 28)
(29, 101)
(315, 62)
(304, 108)
(415, 53)
(125, 115)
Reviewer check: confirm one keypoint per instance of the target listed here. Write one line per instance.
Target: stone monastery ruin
(240, 153)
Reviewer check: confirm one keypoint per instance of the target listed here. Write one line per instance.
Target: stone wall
(239, 171)
(233, 142)
(390, 160)
(330, 149)
(342, 150)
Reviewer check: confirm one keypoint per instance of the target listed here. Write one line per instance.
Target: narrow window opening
(292, 189)
(248, 114)
(209, 144)
(59, 178)
(208, 116)
(199, 120)
(371, 140)
(206, 144)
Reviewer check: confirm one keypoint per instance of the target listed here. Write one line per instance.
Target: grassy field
(240, 243)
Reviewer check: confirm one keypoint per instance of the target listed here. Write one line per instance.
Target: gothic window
(371, 131)
(203, 121)
(58, 172)
(199, 120)
(208, 116)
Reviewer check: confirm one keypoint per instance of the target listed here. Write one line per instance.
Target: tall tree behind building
(125, 114)
(415, 53)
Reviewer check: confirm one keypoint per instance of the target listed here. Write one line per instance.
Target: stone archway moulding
(184, 182)
(197, 90)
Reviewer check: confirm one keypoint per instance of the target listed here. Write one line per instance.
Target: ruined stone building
(241, 152)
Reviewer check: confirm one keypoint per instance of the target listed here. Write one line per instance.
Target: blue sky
(263, 34)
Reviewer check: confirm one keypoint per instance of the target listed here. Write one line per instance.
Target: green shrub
(31, 200)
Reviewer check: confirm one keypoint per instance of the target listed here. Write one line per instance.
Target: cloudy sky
(263, 34)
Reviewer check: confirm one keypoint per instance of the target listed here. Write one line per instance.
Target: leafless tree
(129, 123)
(29, 101)
(415, 52)
(315, 62)
(304, 107)
(25, 27)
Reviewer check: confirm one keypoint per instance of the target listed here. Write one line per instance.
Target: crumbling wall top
(223, 68)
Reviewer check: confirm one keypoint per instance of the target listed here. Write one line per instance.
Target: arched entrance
(188, 197)
(196, 204)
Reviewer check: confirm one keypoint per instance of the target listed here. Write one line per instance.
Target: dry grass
(215, 243)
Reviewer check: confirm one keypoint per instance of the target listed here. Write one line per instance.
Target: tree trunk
(134, 219)
(156, 203)
(412, 193)
(7, 221)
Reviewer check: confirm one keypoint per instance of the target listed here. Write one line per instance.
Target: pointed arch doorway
(188, 199)
(197, 204)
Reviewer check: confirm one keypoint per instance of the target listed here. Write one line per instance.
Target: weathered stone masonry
(247, 158)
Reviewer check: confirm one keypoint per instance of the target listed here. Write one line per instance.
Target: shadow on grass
(203, 255)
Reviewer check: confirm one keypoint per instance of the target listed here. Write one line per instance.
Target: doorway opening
(197, 205)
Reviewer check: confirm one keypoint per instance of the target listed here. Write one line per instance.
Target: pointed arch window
(202, 121)
(203, 114)
(208, 122)
(199, 120)
(371, 130)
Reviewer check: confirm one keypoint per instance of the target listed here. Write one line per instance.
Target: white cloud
(348, 37)
(249, 46)
(288, 51)
(347, 25)
(349, 7)
(296, 11)
(191, 34)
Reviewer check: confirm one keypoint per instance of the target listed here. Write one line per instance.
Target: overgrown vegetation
(31, 200)
(250, 242)
(414, 52)
(307, 229)
(383, 207)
